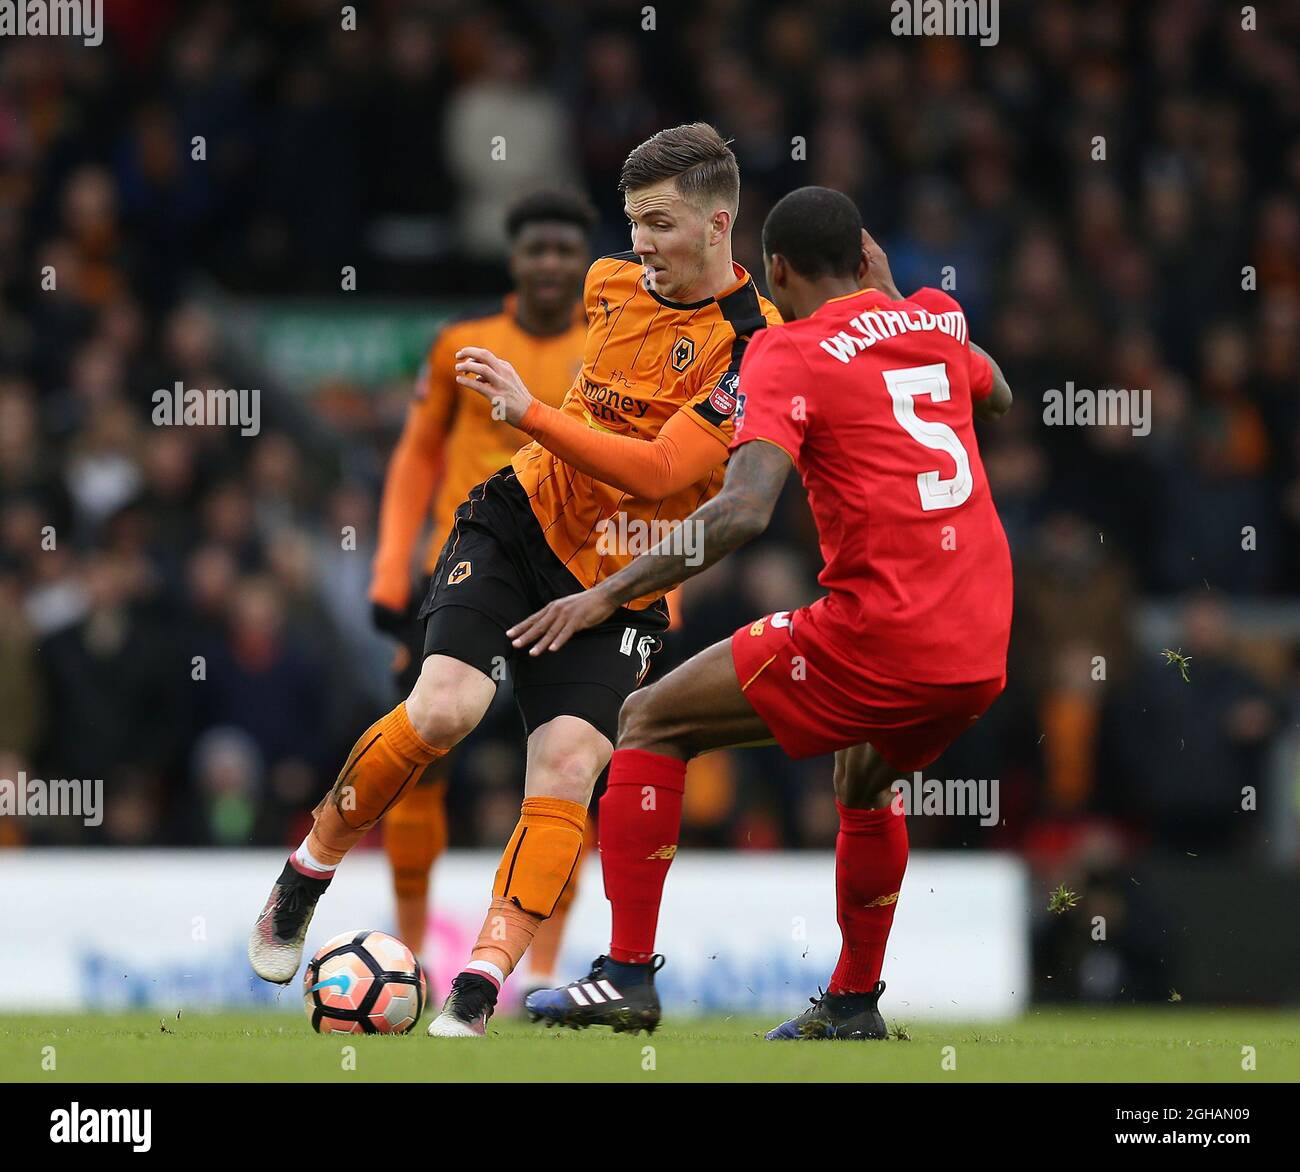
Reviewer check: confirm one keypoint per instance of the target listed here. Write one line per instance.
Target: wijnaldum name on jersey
(879, 324)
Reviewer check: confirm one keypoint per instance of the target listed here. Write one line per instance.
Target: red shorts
(812, 712)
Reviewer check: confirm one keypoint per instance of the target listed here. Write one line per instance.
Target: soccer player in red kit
(871, 397)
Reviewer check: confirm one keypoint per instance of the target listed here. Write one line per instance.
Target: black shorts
(495, 570)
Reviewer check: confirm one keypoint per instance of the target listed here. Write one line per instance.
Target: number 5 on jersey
(905, 385)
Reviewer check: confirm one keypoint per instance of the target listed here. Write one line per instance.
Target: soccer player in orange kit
(642, 437)
(451, 442)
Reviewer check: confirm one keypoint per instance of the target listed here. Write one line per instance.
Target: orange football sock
(386, 760)
(415, 834)
(538, 863)
(502, 941)
(545, 952)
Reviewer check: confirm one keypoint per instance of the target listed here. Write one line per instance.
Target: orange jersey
(450, 430)
(645, 360)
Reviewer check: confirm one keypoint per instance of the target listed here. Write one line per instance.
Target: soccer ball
(364, 983)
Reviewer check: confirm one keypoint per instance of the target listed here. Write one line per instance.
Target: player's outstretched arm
(409, 484)
(682, 453)
(738, 513)
(998, 402)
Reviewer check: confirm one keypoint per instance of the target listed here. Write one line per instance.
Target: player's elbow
(646, 486)
(749, 517)
(997, 404)
(657, 481)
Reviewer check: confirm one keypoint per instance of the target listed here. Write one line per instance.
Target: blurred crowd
(1112, 192)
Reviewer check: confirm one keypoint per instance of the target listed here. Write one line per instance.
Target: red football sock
(870, 858)
(640, 820)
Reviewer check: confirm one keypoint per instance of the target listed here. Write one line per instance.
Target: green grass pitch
(1173, 1044)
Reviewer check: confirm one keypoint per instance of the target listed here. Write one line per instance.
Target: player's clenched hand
(557, 622)
(874, 273)
(496, 380)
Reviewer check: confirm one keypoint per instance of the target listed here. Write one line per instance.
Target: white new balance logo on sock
(595, 994)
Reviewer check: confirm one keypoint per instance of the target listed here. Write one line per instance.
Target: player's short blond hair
(696, 156)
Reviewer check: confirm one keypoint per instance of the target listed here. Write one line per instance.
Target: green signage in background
(302, 344)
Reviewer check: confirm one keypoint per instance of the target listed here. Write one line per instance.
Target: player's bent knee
(566, 774)
(448, 700)
(863, 779)
(639, 721)
(645, 723)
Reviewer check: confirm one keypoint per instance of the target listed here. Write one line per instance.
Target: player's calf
(447, 701)
(535, 868)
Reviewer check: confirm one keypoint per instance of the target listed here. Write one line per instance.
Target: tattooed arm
(741, 511)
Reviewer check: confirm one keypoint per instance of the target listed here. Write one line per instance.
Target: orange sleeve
(681, 454)
(412, 477)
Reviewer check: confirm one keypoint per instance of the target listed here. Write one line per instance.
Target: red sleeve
(979, 372)
(981, 376)
(774, 385)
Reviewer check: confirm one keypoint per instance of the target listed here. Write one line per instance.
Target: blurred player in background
(451, 442)
(642, 436)
(871, 397)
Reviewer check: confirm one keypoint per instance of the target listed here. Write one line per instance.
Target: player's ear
(721, 225)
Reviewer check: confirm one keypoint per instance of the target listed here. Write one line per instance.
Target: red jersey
(871, 399)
